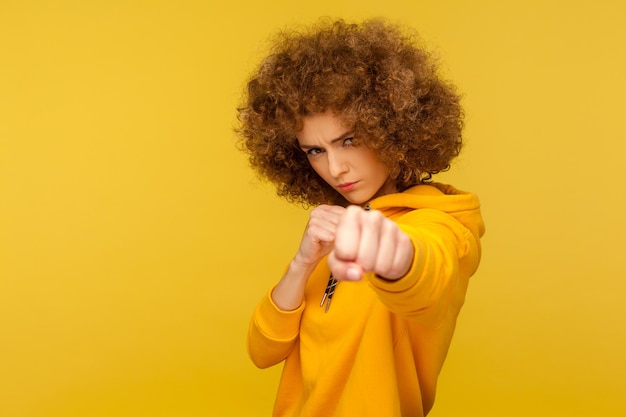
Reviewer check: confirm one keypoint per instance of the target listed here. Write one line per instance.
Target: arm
(419, 267)
(435, 286)
(275, 324)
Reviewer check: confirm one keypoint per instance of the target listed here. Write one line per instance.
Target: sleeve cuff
(276, 323)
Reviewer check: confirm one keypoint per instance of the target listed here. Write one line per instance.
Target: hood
(462, 205)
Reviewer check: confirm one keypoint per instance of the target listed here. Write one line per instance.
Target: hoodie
(380, 348)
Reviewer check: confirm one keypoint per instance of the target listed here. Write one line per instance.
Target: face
(351, 169)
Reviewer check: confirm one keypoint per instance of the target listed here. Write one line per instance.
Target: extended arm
(419, 266)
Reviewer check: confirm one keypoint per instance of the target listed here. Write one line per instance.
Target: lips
(347, 186)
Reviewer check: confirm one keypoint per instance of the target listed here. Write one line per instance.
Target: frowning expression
(350, 168)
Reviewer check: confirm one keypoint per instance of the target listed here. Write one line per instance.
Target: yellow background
(135, 241)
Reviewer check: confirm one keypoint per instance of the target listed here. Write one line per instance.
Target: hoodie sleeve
(272, 332)
(446, 255)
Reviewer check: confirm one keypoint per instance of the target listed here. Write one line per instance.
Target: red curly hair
(376, 78)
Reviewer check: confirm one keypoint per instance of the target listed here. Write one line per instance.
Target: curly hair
(376, 78)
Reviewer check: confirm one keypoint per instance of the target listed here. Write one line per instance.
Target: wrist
(289, 292)
(302, 263)
(298, 264)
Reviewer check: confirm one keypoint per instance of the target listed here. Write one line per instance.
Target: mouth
(347, 186)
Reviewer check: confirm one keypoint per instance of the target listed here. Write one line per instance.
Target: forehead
(323, 127)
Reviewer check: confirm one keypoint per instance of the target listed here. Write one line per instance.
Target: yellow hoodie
(379, 349)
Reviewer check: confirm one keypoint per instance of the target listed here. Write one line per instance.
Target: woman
(354, 120)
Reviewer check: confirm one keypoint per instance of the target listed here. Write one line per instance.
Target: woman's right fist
(319, 235)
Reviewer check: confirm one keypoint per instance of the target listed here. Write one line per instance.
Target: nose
(337, 164)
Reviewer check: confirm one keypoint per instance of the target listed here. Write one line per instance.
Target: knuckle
(366, 264)
(404, 239)
(383, 265)
(317, 210)
(389, 271)
(352, 211)
(373, 219)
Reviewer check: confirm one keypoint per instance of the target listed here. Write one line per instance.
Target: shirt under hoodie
(380, 347)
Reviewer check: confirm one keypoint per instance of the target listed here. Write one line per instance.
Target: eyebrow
(341, 137)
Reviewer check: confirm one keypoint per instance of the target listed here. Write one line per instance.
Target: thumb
(344, 270)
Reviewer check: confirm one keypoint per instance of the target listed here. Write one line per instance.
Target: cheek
(369, 159)
(318, 166)
(378, 169)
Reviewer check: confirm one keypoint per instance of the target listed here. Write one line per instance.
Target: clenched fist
(367, 241)
(319, 234)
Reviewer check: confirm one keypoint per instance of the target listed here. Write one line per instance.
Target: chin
(356, 199)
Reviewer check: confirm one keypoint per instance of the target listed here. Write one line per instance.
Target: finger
(326, 216)
(348, 234)
(322, 226)
(321, 234)
(405, 252)
(331, 213)
(372, 224)
(387, 248)
(344, 271)
(402, 257)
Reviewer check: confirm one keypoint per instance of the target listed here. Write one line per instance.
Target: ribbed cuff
(276, 323)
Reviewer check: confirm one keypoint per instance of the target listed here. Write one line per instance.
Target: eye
(348, 141)
(313, 152)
